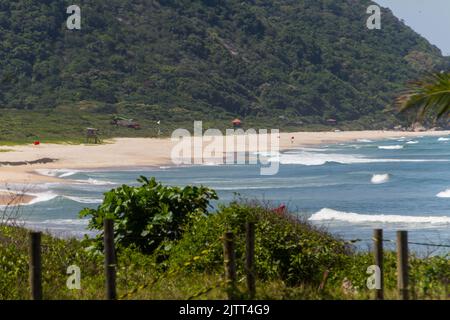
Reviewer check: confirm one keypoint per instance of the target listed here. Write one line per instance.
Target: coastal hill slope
(274, 61)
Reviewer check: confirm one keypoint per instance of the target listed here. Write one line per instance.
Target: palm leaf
(431, 94)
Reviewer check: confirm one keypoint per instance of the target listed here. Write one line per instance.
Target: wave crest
(396, 147)
(84, 200)
(444, 194)
(380, 178)
(330, 214)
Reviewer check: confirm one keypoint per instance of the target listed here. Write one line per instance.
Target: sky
(430, 18)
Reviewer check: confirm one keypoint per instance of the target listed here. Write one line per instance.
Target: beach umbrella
(236, 123)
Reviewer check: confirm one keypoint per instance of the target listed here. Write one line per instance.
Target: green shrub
(146, 215)
(285, 246)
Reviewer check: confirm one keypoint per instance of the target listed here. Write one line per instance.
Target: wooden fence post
(402, 264)
(230, 264)
(250, 258)
(378, 255)
(35, 265)
(110, 259)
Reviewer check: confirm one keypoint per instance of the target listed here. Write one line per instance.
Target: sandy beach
(22, 164)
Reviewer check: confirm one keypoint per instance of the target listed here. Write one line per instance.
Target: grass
(193, 266)
(67, 123)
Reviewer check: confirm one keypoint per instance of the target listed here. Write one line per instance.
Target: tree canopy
(302, 59)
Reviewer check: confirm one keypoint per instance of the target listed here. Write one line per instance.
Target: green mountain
(288, 62)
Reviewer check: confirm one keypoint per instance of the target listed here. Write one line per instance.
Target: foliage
(154, 221)
(286, 248)
(430, 95)
(146, 215)
(190, 271)
(57, 256)
(273, 62)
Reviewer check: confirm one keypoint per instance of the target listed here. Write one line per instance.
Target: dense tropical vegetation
(288, 64)
(182, 257)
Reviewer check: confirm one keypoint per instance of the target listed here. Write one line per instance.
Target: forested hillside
(302, 61)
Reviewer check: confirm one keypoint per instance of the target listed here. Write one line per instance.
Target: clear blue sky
(430, 18)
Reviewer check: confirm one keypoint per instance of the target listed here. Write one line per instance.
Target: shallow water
(349, 188)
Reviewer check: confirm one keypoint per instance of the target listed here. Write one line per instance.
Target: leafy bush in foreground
(146, 215)
(285, 247)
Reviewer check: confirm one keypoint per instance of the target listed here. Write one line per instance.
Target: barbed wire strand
(393, 241)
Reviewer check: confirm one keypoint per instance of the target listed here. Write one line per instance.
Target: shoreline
(8, 199)
(131, 153)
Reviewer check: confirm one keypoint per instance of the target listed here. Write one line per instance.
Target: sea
(348, 189)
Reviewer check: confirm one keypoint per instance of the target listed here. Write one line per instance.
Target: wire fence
(228, 281)
(353, 241)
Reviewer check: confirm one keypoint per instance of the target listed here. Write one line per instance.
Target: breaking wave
(95, 182)
(84, 200)
(318, 159)
(380, 178)
(396, 147)
(330, 214)
(57, 173)
(42, 197)
(444, 194)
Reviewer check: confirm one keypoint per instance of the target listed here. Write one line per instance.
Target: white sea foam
(42, 197)
(364, 140)
(83, 199)
(330, 214)
(318, 159)
(380, 178)
(68, 173)
(397, 138)
(37, 196)
(412, 142)
(82, 222)
(96, 182)
(60, 173)
(443, 139)
(396, 147)
(444, 194)
(271, 187)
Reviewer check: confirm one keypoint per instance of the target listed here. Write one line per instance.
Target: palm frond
(431, 94)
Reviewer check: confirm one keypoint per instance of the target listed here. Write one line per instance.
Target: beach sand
(13, 198)
(21, 164)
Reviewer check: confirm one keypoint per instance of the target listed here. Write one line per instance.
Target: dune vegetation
(169, 246)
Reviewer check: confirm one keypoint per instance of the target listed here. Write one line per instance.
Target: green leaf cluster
(144, 216)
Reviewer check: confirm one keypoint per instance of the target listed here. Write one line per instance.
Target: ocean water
(348, 188)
